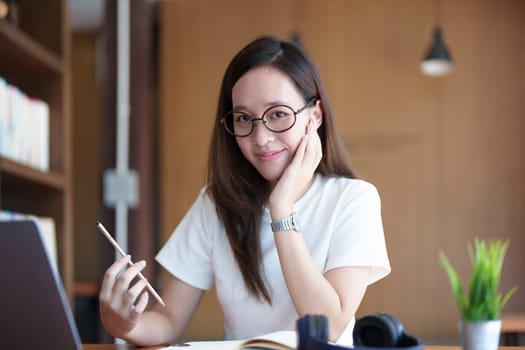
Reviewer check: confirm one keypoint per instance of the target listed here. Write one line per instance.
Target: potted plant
(480, 308)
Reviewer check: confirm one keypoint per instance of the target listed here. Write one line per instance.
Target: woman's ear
(317, 114)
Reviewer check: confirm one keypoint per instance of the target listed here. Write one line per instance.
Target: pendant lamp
(437, 61)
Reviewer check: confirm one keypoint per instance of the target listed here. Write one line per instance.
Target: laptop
(35, 313)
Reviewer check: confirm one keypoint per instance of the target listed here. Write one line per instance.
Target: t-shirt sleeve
(187, 253)
(359, 239)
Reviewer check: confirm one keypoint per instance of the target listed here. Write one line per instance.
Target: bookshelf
(34, 56)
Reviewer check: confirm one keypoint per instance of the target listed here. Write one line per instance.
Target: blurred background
(446, 153)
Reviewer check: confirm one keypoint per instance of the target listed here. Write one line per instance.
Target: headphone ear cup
(396, 327)
(312, 328)
(378, 330)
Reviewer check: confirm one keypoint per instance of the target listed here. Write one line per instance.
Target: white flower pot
(480, 335)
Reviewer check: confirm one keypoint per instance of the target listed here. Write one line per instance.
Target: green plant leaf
(484, 302)
(455, 282)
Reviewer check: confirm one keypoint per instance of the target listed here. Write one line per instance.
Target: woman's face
(256, 91)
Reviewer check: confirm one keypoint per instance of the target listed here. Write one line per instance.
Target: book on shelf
(24, 127)
(280, 340)
(46, 227)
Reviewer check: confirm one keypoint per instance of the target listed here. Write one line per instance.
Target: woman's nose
(261, 135)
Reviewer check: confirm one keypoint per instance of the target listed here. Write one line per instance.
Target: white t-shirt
(341, 224)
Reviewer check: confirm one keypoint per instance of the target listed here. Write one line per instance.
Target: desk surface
(512, 322)
(114, 347)
(127, 347)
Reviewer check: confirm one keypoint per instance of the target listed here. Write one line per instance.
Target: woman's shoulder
(348, 190)
(204, 199)
(339, 183)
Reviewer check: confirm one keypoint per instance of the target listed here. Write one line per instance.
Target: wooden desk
(512, 325)
(115, 347)
(127, 347)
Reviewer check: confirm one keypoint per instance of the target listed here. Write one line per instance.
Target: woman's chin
(271, 177)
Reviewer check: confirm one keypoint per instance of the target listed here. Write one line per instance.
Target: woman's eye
(279, 114)
(243, 118)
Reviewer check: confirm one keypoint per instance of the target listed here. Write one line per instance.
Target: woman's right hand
(121, 302)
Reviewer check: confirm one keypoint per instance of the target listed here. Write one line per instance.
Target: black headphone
(377, 331)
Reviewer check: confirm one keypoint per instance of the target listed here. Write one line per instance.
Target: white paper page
(284, 337)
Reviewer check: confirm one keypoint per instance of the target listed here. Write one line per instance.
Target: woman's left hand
(298, 175)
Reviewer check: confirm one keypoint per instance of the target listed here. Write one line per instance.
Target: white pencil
(114, 243)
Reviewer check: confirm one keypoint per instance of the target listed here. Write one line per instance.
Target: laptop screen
(35, 312)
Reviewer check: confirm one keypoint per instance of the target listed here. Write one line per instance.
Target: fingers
(110, 277)
(308, 154)
(310, 151)
(116, 290)
(130, 296)
(124, 280)
(141, 304)
(122, 301)
(314, 150)
(300, 151)
(301, 169)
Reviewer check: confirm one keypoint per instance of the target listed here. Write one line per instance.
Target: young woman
(283, 229)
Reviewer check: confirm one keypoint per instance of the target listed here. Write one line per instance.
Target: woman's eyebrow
(266, 105)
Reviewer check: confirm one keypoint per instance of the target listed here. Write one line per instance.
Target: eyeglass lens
(277, 118)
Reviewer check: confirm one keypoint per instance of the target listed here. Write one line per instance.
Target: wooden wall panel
(483, 170)
(445, 153)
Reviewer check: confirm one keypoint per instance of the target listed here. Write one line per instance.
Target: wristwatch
(288, 223)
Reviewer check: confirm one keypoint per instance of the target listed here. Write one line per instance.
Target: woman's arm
(122, 306)
(336, 294)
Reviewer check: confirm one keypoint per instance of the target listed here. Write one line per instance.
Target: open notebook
(35, 313)
(281, 340)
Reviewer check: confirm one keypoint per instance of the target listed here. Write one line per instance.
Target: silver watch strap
(286, 224)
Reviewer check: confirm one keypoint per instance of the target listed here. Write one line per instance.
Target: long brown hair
(236, 187)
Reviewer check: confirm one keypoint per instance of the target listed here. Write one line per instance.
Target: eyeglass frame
(262, 119)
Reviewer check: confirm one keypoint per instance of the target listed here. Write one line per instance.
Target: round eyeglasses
(279, 118)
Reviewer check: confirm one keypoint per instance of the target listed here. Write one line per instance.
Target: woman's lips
(268, 156)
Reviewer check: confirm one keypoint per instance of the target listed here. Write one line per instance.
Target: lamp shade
(437, 61)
